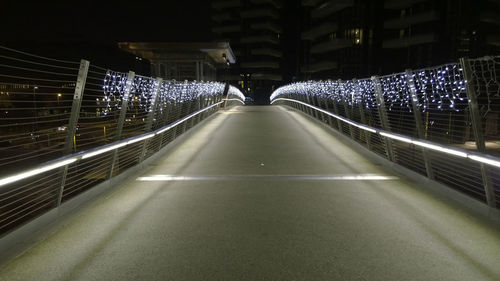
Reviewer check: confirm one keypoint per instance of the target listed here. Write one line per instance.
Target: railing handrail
(474, 156)
(68, 159)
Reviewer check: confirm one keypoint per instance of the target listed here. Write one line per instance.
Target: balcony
(267, 26)
(260, 64)
(266, 76)
(333, 45)
(400, 4)
(330, 7)
(219, 5)
(490, 17)
(226, 29)
(319, 66)
(260, 39)
(222, 17)
(266, 52)
(411, 20)
(320, 30)
(311, 3)
(260, 13)
(406, 42)
(275, 3)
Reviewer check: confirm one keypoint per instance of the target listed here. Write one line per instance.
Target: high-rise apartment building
(339, 38)
(419, 33)
(254, 29)
(342, 39)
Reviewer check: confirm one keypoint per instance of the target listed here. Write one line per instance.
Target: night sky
(105, 21)
(75, 30)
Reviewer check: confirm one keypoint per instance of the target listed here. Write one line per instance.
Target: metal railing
(441, 122)
(69, 126)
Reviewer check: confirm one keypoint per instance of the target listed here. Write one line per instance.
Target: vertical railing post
(347, 111)
(178, 106)
(317, 103)
(203, 100)
(317, 114)
(177, 114)
(121, 119)
(418, 120)
(312, 112)
(296, 105)
(150, 117)
(226, 94)
(477, 126)
(330, 121)
(336, 111)
(199, 106)
(189, 108)
(303, 108)
(383, 116)
(361, 106)
(167, 108)
(300, 106)
(73, 121)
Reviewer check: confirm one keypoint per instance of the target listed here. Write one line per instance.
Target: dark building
(339, 38)
(343, 39)
(254, 29)
(421, 33)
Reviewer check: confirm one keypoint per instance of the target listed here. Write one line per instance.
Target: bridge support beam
(477, 126)
(347, 112)
(73, 121)
(383, 117)
(361, 106)
(418, 121)
(121, 120)
(151, 115)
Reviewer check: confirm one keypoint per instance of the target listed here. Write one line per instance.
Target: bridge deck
(263, 193)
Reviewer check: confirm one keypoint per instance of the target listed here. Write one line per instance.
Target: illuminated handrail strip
(33, 172)
(474, 156)
(99, 150)
(242, 102)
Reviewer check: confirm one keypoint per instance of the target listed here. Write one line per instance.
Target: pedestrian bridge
(335, 180)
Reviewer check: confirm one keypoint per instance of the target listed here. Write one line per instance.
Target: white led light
(427, 145)
(361, 126)
(440, 148)
(399, 138)
(234, 100)
(37, 171)
(103, 150)
(348, 177)
(140, 139)
(170, 126)
(236, 92)
(164, 129)
(484, 160)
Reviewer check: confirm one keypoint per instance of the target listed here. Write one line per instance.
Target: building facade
(419, 33)
(339, 38)
(254, 29)
(342, 39)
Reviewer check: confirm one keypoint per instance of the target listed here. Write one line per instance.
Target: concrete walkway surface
(265, 193)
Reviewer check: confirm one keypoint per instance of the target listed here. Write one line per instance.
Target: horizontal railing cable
(450, 110)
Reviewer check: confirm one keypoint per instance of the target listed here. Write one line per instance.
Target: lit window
(357, 36)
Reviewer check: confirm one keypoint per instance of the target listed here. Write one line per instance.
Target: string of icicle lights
(143, 90)
(439, 88)
(235, 93)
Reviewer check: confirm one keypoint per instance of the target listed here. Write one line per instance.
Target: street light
(58, 97)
